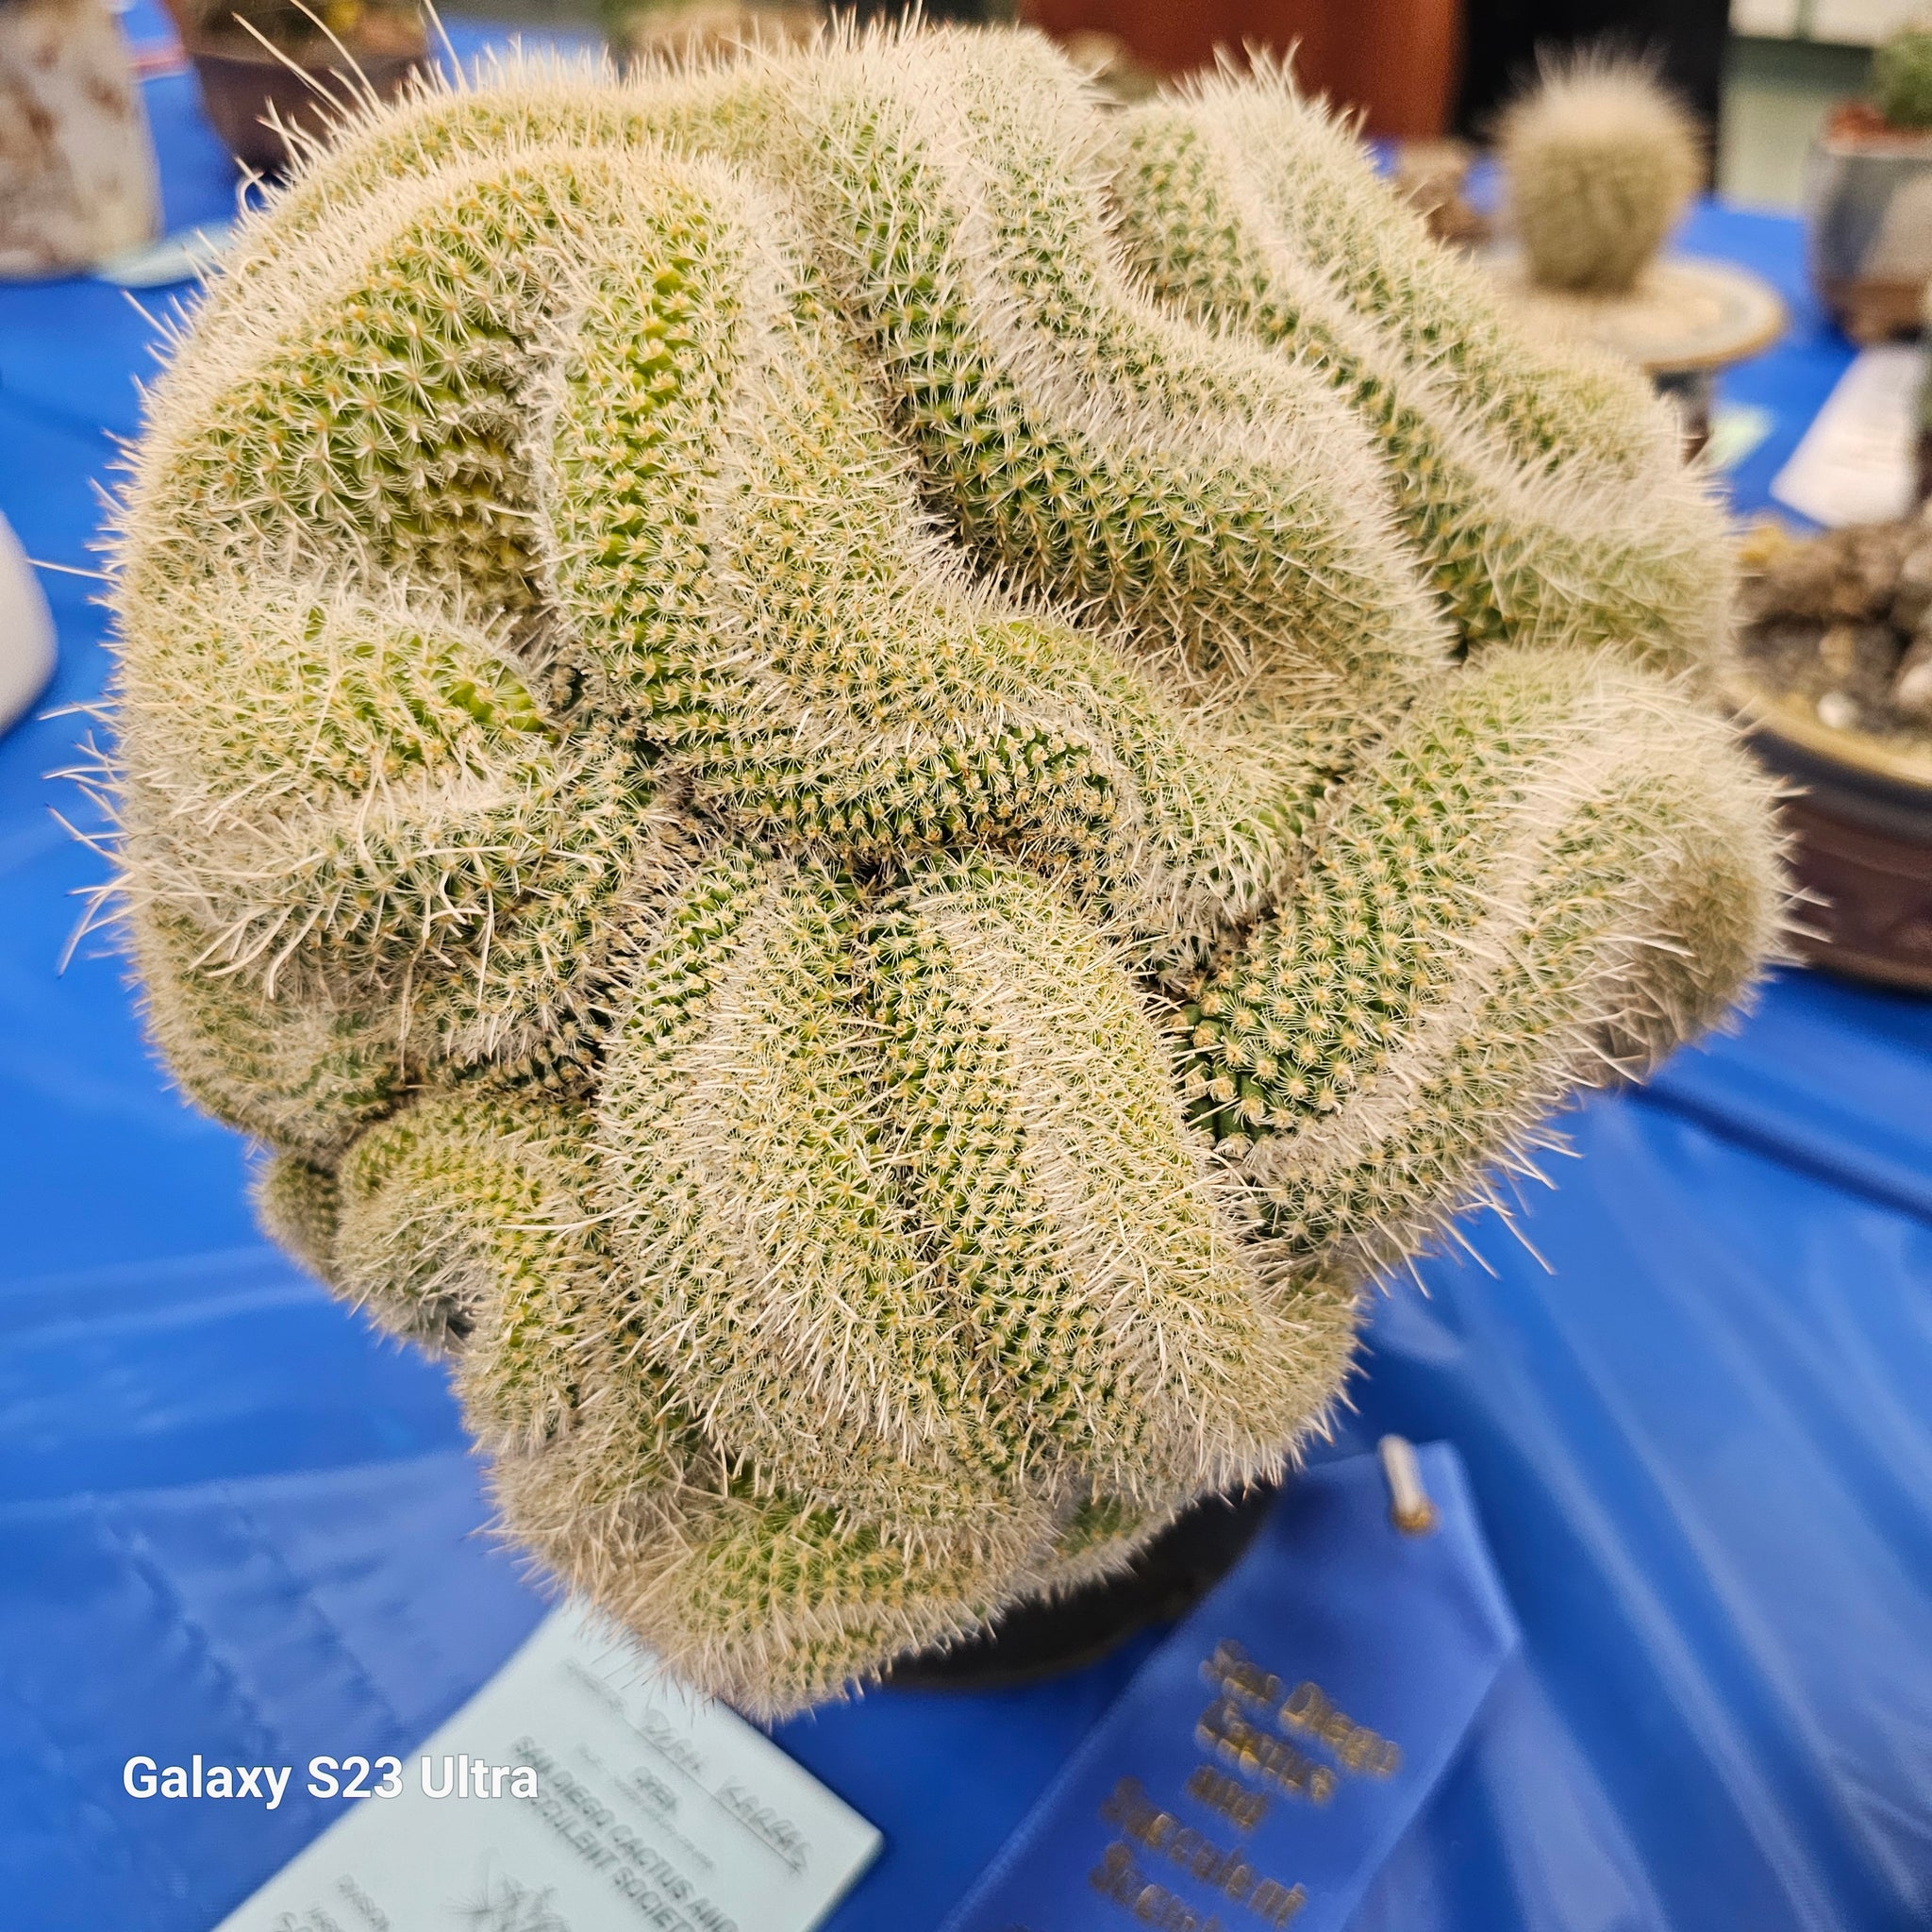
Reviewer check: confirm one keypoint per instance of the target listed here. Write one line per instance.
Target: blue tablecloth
(1695, 1402)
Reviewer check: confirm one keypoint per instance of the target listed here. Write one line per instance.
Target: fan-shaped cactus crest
(870, 777)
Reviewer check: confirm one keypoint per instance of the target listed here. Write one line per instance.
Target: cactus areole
(869, 778)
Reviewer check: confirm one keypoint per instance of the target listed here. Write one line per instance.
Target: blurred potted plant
(76, 166)
(1433, 178)
(1870, 193)
(687, 30)
(266, 65)
(649, 30)
(1832, 672)
(1600, 163)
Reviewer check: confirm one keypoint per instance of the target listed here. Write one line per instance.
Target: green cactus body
(527, 105)
(298, 1204)
(847, 1168)
(1550, 403)
(303, 1075)
(764, 597)
(1222, 773)
(362, 398)
(459, 1224)
(1045, 400)
(1902, 76)
(465, 1222)
(376, 811)
(1459, 951)
(800, 584)
(708, 664)
(755, 1205)
(756, 1596)
(1089, 1253)
(1624, 553)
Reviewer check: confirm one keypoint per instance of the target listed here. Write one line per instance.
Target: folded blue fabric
(1827, 1075)
(255, 1621)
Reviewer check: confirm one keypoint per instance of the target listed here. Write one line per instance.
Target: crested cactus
(1902, 75)
(870, 779)
(1600, 161)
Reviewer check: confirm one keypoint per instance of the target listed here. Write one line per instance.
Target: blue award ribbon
(1266, 1759)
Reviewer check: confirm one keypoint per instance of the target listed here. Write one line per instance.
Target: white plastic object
(1409, 1507)
(27, 631)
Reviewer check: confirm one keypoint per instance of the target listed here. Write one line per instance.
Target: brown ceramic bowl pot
(1861, 831)
(245, 89)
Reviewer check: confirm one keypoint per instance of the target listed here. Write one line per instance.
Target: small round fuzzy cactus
(869, 778)
(1902, 75)
(1599, 161)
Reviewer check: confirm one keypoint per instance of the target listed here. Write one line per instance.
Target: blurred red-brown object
(1395, 59)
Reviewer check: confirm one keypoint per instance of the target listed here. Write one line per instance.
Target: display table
(1694, 1399)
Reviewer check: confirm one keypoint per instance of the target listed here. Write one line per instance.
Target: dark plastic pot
(1869, 196)
(243, 88)
(1042, 1640)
